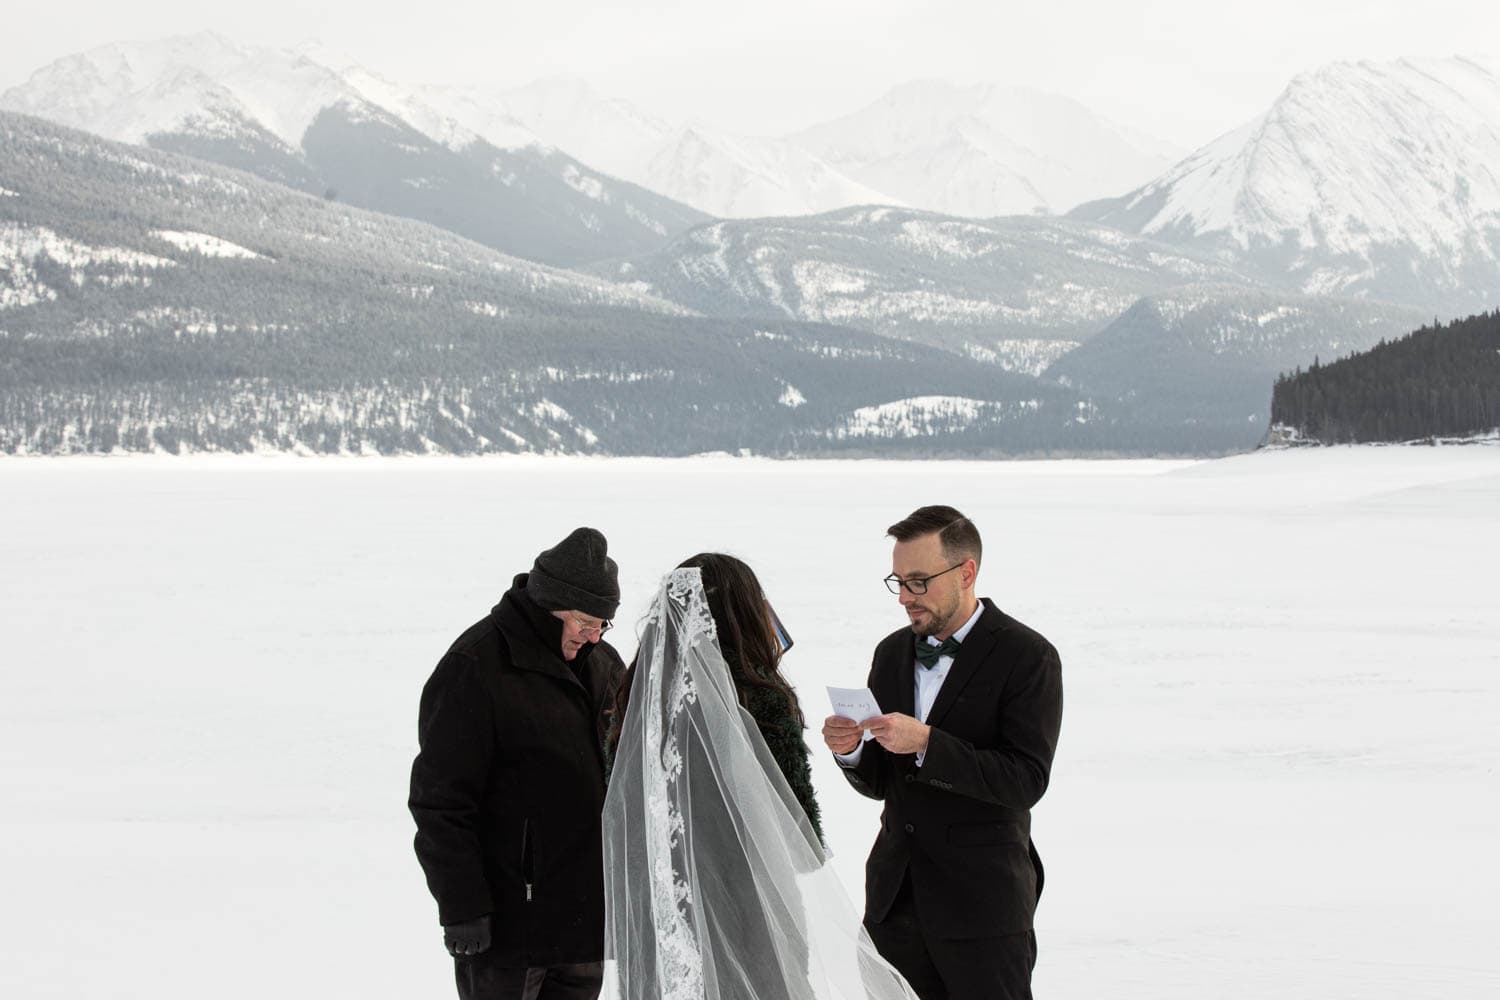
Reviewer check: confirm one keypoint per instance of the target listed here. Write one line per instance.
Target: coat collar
(527, 649)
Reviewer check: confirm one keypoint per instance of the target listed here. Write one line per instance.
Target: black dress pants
(481, 980)
(992, 968)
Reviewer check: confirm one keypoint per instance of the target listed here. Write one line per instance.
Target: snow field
(1277, 768)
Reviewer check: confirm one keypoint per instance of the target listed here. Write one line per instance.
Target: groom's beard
(935, 620)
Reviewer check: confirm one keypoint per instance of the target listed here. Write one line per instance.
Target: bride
(716, 883)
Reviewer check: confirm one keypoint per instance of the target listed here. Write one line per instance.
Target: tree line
(1440, 381)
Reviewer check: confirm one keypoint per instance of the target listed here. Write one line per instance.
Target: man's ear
(970, 573)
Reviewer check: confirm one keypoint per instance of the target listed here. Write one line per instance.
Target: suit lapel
(971, 656)
(899, 694)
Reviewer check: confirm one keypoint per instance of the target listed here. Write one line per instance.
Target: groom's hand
(841, 735)
(899, 733)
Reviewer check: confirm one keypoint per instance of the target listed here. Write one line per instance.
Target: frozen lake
(1277, 774)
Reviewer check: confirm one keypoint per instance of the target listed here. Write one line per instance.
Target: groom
(973, 703)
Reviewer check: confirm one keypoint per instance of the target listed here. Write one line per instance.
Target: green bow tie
(928, 654)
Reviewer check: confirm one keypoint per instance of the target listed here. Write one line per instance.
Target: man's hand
(899, 733)
(468, 938)
(841, 735)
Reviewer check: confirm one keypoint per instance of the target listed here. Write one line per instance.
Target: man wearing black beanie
(508, 785)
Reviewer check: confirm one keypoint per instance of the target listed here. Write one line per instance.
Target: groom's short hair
(959, 537)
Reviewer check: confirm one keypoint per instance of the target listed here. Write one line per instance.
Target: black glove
(468, 938)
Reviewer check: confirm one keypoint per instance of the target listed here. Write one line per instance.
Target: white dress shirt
(929, 681)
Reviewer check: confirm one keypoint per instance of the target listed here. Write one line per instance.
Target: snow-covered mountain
(1014, 292)
(973, 151)
(1367, 179)
(335, 128)
(725, 175)
(608, 133)
(738, 177)
(131, 91)
(986, 150)
(150, 301)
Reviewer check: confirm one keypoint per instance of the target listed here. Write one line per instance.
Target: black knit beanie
(576, 575)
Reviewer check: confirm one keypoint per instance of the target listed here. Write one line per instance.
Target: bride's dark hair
(742, 619)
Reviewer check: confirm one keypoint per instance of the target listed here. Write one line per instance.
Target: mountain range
(1363, 202)
(1017, 292)
(348, 134)
(151, 301)
(980, 150)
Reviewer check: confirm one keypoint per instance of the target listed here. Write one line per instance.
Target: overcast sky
(1184, 70)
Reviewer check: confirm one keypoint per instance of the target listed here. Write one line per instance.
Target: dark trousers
(993, 968)
(479, 980)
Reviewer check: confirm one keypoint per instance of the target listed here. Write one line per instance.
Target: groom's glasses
(598, 628)
(917, 584)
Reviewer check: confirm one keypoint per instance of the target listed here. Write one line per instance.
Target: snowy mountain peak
(128, 91)
(315, 120)
(984, 149)
(716, 172)
(1349, 156)
(1363, 178)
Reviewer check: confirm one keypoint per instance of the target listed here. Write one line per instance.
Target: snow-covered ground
(1277, 775)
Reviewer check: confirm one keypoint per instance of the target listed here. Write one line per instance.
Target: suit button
(910, 828)
(911, 777)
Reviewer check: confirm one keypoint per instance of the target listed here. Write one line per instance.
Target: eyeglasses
(917, 584)
(584, 627)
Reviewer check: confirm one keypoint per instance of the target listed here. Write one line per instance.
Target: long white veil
(716, 887)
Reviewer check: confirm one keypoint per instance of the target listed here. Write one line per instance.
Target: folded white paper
(854, 703)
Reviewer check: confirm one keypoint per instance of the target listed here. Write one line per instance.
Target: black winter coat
(961, 823)
(508, 787)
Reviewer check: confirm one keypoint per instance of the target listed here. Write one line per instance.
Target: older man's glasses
(585, 626)
(915, 584)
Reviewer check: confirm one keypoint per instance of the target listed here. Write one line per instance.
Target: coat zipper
(526, 856)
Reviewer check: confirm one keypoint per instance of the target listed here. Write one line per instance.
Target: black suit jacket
(961, 823)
